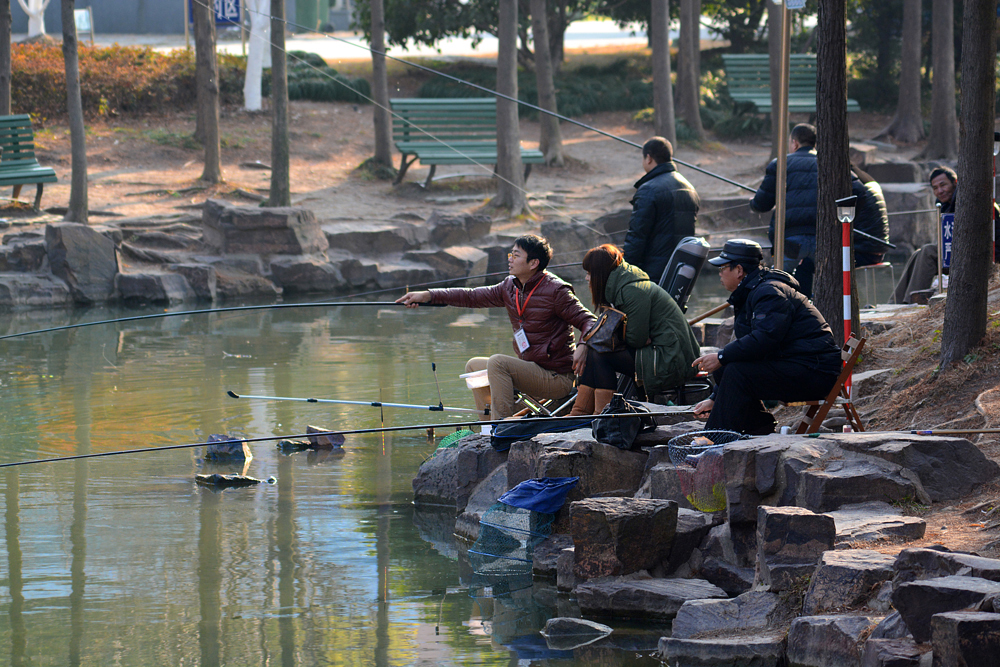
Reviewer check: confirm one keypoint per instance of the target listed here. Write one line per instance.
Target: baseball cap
(741, 251)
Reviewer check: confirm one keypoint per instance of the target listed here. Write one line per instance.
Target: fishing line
(488, 91)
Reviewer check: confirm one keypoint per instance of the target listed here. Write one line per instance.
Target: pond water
(123, 560)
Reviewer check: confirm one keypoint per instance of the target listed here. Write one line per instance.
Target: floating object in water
(226, 481)
(294, 445)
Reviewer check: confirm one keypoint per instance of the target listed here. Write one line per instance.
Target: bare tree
(774, 14)
(77, 208)
(972, 249)
(380, 87)
(550, 137)
(258, 53)
(5, 21)
(943, 140)
(281, 189)
(833, 163)
(663, 94)
(35, 9)
(907, 125)
(689, 67)
(510, 184)
(207, 85)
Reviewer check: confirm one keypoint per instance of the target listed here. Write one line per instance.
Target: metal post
(940, 245)
(782, 120)
(187, 30)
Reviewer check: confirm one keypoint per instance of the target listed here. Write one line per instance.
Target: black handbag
(608, 333)
(621, 431)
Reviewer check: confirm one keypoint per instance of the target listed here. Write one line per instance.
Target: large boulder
(966, 638)
(457, 230)
(852, 481)
(826, 641)
(645, 598)
(375, 238)
(449, 476)
(301, 275)
(921, 563)
(201, 278)
(399, 273)
(742, 614)
(616, 536)
(891, 653)
(846, 579)
(453, 261)
(84, 259)
(230, 229)
(766, 650)
(692, 529)
(164, 288)
(874, 521)
(25, 289)
(918, 601)
(790, 541)
(482, 497)
(23, 254)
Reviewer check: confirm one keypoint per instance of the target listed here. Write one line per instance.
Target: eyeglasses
(512, 255)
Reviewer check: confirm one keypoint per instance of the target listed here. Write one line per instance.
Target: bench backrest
(447, 119)
(17, 142)
(749, 74)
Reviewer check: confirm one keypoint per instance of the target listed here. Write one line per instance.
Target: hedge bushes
(114, 80)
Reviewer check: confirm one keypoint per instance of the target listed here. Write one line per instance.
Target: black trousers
(600, 370)
(743, 385)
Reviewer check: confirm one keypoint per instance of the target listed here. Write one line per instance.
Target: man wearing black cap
(784, 349)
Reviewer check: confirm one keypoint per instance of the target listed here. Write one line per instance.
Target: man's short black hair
(947, 171)
(535, 247)
(805, 134)
(659, 149)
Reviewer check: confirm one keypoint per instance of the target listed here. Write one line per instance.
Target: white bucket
(476, 379)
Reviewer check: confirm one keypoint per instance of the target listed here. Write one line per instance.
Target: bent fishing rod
(373, 404)
(358, 431)
(495, 93)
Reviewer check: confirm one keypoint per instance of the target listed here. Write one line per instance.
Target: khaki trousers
(506, 374)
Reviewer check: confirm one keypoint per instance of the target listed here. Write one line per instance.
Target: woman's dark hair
(535, 247)
(599, 262)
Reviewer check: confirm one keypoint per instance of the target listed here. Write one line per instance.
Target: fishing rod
(359, 431)
(954, 431)
(495, 93)
(324, 304)
(441, 407)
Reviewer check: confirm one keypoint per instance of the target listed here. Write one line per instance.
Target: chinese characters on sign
(947, 229)
(227, 12)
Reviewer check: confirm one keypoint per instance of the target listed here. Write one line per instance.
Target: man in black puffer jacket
(784, 349)
(802, 183)
(872, 218)
(664, 210)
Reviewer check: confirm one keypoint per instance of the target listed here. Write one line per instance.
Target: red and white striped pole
(845, 213)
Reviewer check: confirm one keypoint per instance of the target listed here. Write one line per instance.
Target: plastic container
(476, 379)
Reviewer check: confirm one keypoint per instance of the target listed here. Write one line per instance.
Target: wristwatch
(719, 355)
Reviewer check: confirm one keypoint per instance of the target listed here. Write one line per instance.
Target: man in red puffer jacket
(543, 311)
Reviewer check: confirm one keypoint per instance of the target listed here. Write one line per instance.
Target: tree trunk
(5, 22)
(257, 53)
(510, 181)
(380, 87)
(550, 137)
(943, 141)
(281, 189)
(207, 85)
(689, 68)
(833, 163)
(774, 13)
(35, 9)
(557, 35)
(77, 208)
(972, 247)
(907, 125)
(663, 94)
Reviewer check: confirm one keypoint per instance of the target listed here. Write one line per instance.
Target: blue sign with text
(227, 12)
(947, 230)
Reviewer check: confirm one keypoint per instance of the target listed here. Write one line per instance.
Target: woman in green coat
(660, 345)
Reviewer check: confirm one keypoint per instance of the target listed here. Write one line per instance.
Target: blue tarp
(546, 494)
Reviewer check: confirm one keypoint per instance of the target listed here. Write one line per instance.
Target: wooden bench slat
(748, 78)
(18, 165)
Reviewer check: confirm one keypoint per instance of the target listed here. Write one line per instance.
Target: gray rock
(826, 641)
(200, 277)
(692, 529)
(453, 230)
(918, 601)
(873, 521)
(730, 578)
(616, 536)
(400, 274)
(915, 564)
(750, 611)
(302, 275)
(966, 638)
(852, 481)
(565, 579)
(948, 467)
(449, 476)
(375, 238)
(166, 241)
(452, 262)
(229, 229)
(233, 283)
(166, 288)
(845, 579)
(755, 651)
(790, 541)
(890, 653)
(24, 289)
(220, 481)
(648, 598)
(482, 497)
(575, 628)
(23, 256)
(891, 627)
(545, 555)
(227, 448)
(84, 259)
(357, 273)
(668, 482)
(323, 438)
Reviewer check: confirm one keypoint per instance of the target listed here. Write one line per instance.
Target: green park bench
(18, 165)
(748, 78)
(449, 131)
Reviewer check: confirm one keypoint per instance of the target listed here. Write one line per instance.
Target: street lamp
(845, 208)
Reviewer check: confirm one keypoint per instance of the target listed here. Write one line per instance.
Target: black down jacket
(800, 195)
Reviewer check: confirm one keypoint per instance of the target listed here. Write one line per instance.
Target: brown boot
(601, 399)
(584, 404)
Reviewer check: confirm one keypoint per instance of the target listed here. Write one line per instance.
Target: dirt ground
(149, 168)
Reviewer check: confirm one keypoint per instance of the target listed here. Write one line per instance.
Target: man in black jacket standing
(664, 210)
(784, 349)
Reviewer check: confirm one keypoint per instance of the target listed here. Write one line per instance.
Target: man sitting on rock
(543, 311)
(784, 349)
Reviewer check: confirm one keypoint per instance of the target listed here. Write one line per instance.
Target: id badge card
(521, 339)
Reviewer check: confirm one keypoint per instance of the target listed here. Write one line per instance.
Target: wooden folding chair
(816, 411)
